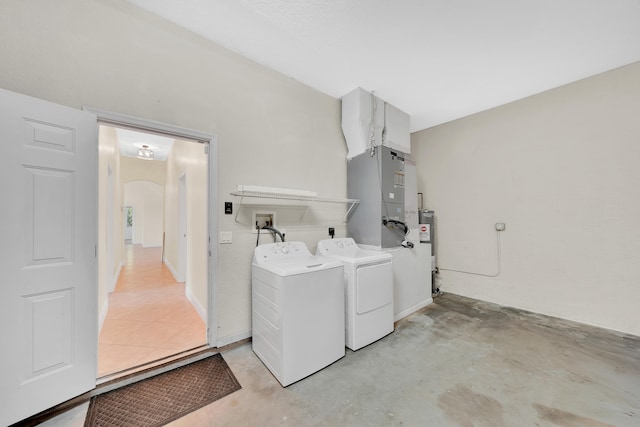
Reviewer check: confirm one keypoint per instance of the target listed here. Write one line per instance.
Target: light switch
(226, 237)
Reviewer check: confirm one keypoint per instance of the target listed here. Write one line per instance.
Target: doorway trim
(210, 142)
(182, 229)
(111, 276)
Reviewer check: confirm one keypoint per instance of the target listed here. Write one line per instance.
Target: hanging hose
(399, 224)
(274, 231)
(395, 223)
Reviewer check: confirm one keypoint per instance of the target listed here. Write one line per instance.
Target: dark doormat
(164, 397)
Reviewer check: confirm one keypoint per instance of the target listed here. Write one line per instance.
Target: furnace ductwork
(368, 121)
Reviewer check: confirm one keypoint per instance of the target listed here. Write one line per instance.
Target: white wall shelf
(275, 194)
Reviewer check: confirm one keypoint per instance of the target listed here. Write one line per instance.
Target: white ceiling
(438, 60)
(130, 140)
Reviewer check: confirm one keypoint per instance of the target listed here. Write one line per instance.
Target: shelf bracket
(346, 215)
(238, 209)
(304, 213)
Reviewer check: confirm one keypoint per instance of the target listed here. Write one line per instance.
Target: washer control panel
(282, 250)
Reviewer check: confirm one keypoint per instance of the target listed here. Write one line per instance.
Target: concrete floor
(458, 362)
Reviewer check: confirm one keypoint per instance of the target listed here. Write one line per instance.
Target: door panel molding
(48, 313)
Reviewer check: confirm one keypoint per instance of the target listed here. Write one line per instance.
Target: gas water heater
(427, 229)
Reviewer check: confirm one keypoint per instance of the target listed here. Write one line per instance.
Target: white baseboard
(103, 315)
(408, 311)
(114, 282)
(230, 339)
(171, 269)
(202, 312)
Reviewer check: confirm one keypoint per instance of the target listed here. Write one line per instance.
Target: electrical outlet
(226, 237)
(500, 226)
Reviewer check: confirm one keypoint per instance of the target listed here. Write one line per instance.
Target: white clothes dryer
(297, 310)
(368, 291)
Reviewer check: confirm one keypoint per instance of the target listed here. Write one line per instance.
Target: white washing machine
(297, 310)
(368, 292)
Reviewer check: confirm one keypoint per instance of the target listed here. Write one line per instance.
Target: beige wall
(562, 170)
(271, 129)
(109, 159)
(133, 169)
(559, 168)
(188, 159)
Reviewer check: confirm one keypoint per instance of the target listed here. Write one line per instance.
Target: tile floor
(149, 316)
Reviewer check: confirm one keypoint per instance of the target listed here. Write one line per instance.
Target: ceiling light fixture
(144, 153)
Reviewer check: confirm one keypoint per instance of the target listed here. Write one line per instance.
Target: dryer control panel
(346, 249)
(344, 246)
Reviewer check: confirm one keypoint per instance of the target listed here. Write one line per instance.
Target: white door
(48, 321)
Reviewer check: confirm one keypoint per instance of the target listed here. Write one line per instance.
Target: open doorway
(154, 302)
(128, 225)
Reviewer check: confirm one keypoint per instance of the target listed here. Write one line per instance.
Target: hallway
(149, 316)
